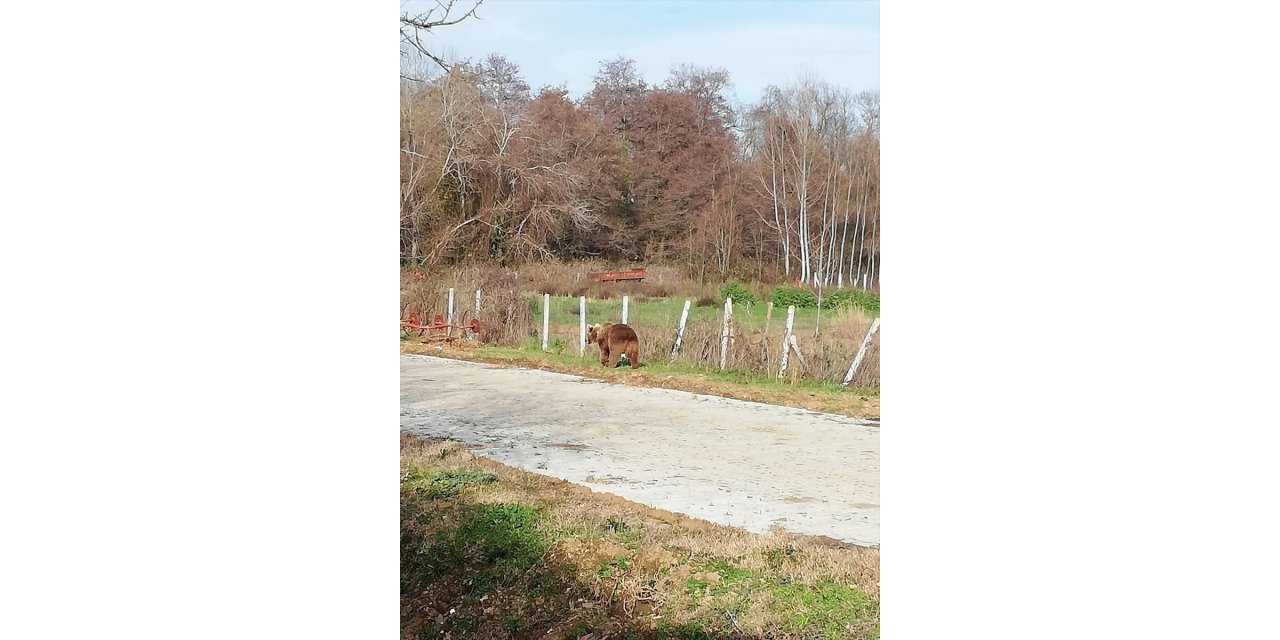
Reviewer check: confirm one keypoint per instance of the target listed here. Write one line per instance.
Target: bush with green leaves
(740, 294)
(844, 297)
(787, 295)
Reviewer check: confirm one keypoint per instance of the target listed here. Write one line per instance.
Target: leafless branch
(411, 27)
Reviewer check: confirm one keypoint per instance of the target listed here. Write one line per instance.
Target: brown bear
(615, 340)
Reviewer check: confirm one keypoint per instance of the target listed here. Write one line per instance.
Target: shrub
(787, 294)
(739, 293)
(707, 301)
(844, 297)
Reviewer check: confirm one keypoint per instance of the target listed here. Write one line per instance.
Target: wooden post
(546, 318)
(582, 325)
(684, 315)
(624, 309)
(477, 301)
(724, 332)
(862, 351)
(449, 330)
(786, 340)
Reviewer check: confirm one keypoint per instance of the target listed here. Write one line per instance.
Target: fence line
(790, 343)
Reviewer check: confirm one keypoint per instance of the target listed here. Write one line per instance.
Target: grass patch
(835, 610)
(509, 554)
(446, 483)
(664, 313)
(485, 546)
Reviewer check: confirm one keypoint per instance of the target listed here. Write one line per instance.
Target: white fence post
(624, 309)
(546, 318)
(862, 351)
(582, 325)
(795, 346)
(817, 325)
(786, 339)
(477, 301)
(724, 332)
(449, 330)
(684, 315)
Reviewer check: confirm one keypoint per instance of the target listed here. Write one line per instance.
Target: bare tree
(414, 27)
(789, 185)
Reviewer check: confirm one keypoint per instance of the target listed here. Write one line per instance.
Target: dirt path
(728, 461)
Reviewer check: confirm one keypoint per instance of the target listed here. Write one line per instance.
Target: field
(488, 551)
(511, 317)
(491, 551)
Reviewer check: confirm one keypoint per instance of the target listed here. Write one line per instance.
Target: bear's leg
(614, 354)
(633, 354)
(604, 354)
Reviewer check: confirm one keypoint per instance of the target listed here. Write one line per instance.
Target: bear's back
(622, 333)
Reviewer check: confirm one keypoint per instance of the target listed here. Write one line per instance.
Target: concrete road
(742, 464)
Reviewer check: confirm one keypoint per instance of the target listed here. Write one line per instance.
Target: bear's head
(595, 332)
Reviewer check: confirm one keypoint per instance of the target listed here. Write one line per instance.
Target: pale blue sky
(758, 42)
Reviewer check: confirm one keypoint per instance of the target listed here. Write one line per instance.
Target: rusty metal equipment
(469, 331)
(636, 274)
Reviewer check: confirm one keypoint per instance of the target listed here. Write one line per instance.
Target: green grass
(492, 543)
(458, 549)
(446, 483)
(510, 623)
(828, 606)
(613, 566)
(730, 573)
(665, 312)
(732, 578)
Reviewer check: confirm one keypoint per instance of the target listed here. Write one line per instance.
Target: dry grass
(511, 316)
(563, 561)
(661, 281)
(756, 349)
(505, 313)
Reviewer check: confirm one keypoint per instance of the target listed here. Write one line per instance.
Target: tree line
(638, 172)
